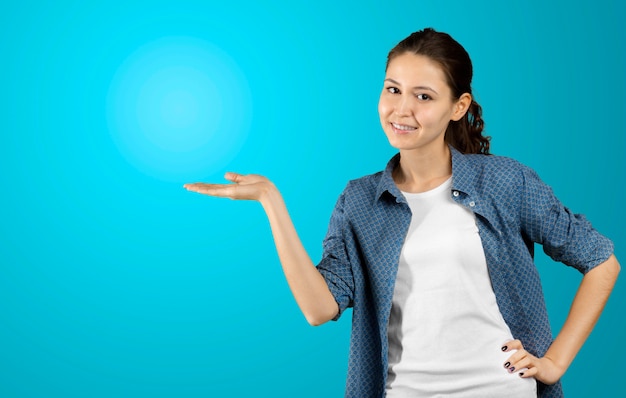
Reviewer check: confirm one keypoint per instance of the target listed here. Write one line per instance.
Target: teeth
(402, 127)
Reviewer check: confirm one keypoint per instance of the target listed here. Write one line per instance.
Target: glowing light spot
(179, 108)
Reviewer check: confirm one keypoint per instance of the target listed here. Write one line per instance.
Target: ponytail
(465, 135)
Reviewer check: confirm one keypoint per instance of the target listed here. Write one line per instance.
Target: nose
(402, 107)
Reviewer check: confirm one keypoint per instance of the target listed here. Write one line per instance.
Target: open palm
(243, 187)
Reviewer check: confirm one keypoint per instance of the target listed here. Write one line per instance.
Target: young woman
(435, 253)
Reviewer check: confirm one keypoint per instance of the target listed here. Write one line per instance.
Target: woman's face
(416, 103)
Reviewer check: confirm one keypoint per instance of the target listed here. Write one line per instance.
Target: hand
(526, 365)
(245, 187)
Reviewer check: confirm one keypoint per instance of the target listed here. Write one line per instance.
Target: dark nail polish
(506, 365)
(521, 374)
(511, 369)
(504, 348)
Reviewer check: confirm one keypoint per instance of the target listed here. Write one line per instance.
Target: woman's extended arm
(588, 303)
(307, 285)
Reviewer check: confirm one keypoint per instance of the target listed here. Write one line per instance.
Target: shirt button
(455, 193)
(472, 204)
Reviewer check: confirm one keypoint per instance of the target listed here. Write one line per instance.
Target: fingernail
(521, 374)
(511, 369)
(504, 348)
(506, 365)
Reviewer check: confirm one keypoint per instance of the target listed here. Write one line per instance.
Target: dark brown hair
(465, 134)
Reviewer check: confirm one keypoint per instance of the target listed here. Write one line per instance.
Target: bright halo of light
(179, 108)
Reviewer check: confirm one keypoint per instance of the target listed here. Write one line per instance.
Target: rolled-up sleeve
(566, 237)
(335, 264)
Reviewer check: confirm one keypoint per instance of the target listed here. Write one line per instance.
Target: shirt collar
(464, 176)
(464, 172)
(386, 183)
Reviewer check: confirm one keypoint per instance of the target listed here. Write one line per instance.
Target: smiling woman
(179, 108)
(439, 246)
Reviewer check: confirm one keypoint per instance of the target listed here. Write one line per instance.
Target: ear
(461, 106)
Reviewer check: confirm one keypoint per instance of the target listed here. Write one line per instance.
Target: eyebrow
(416, 87)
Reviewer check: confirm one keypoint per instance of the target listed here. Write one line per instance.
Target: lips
(402, 128)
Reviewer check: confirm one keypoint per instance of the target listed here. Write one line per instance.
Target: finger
(518, 353)
(244, 178)
(195, 186)
(190, 186)
(515, 357)
(525, 373)
(530, 372)
(512, 345)
(513, 363)
(234, 177)
(516, 366)
(221, 190)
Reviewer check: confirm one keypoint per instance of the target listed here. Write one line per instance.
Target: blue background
(115, 281)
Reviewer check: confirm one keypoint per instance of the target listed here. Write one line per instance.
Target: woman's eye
(393, 90)
(423, 97)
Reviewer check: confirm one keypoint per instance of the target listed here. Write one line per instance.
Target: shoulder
(494, 162)
(500, 170)
(363, 188)
(375, 183)
(499, 180)
(367, 182)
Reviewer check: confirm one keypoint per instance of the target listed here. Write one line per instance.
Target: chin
(399, 142)
(398, 146)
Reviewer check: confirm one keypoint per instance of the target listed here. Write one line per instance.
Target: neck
(423, 171)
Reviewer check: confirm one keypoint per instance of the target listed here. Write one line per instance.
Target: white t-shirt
(445, 329)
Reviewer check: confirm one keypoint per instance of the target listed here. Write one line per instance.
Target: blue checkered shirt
(514, 209)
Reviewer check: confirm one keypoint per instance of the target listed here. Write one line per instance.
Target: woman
(434, 253)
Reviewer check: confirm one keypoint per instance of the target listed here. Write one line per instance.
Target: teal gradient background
(116, 282)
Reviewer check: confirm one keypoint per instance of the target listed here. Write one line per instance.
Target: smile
(402, 127)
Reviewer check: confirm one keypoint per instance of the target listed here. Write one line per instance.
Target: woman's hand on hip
(526, 365)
